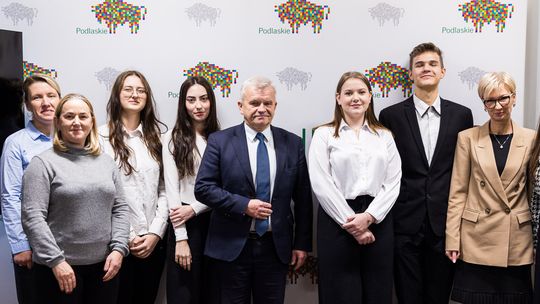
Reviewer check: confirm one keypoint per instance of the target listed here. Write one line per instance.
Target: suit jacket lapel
(516, 155)
(240, 146)
(443, 127)
(486, 160)
(280, 145)
(410, 113)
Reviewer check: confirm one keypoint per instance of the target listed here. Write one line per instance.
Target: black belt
(252, 235)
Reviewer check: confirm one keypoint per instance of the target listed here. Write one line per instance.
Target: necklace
(504, 142)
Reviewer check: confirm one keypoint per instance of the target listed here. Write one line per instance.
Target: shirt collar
(344, 126)
(250, 133)
(138, 132)
(34, 132)
(422, 107)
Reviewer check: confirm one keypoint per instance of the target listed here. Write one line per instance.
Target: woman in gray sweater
(74, 212)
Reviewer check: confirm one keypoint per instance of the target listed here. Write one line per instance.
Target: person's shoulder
(47, 156)
(282, 132)
(395, 107)
(385, 133)
(324, 130)
(456, 106)
(103, 130)
(470, 132)
(222, 137)
(13, 141)
(227, 132)
(529, 132)
(105, 158)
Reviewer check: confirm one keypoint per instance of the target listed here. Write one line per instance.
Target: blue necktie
(262, 179)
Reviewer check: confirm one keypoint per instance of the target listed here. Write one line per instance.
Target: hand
(258, 209)
(180, 215)
(365, 238)
(65, 276)
(298, 258)
(358, 223)
(143, 246)
(182, 255)
(23, 259)
(453, 255)
(112, 265)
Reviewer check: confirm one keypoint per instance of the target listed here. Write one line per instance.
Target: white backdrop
(247, 38)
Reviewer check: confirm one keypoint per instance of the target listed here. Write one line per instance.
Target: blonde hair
(491, 81)
(91, 144)
(30, 80)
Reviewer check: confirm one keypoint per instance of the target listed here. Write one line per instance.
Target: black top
(424, 187)
(501, 147)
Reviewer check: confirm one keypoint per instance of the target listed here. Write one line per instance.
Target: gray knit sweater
(73, 208)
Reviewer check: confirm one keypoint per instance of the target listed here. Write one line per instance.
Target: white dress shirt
(252, 144)
(181, 191)
(144, 190)
(429, 121)
(344, 167)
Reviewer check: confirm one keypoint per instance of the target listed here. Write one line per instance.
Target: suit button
(482, 183)
(487, 210)
(507, 210)
(428, 196)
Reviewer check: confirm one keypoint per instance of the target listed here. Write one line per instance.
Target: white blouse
(144, 190)
(181, 191)
(352, 165)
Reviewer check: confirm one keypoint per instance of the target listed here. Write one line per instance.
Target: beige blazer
(489, 221)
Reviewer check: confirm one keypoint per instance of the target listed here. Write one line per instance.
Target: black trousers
(195, 286)
(25, 283)
(139, 278)
(90, 288)
(256, 274)
(423, 274)
(537, 273)
(350, 272)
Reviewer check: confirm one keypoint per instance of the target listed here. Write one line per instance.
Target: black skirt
(480, 284)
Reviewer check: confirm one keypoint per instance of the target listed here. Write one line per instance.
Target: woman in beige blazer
(489, 223)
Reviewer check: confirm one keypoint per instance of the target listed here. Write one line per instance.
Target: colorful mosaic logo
(30, 69)
(471, 76)
(298, 12)
(291, 77)
(217, 76)
(202, 12)
(482, 12)
(385, 12)
(18, 12)
(117, 12)
(388, 76)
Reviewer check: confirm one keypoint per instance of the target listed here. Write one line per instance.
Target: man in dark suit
(425, 129)
(249, 174)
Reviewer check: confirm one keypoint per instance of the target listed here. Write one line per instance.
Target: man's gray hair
(258, 83)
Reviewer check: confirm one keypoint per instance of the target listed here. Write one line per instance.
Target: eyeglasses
(129, 91)
(502, 100)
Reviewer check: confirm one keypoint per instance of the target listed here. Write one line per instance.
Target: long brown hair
(533, 161)
(150, 124)
(183, 145)
(370, 117)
